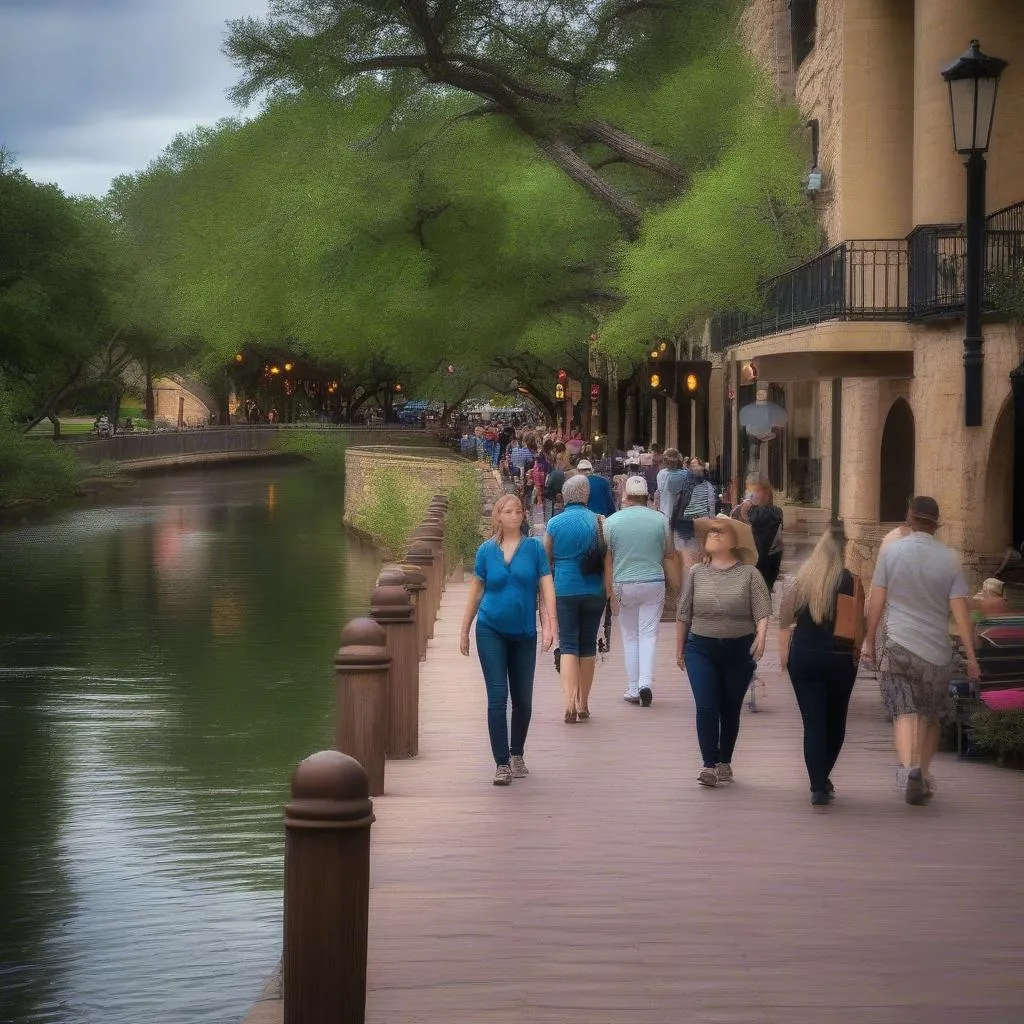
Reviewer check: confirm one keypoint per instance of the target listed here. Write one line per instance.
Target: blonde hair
(818, 580)
(499, 506)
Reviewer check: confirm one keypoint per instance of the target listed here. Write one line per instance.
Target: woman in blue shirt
(579, 596)
(509, 571)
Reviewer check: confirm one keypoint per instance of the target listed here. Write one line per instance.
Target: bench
(999, 646)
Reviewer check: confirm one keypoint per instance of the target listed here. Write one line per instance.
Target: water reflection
(164, 662)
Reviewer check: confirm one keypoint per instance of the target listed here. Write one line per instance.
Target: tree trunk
(55, 422)
(562, 154)
(150, 413)
(631, 149)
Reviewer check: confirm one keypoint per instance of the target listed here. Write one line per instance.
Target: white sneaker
(631, 698)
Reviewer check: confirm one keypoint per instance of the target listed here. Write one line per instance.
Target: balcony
(920, 277)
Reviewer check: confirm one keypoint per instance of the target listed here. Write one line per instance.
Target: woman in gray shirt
(722, 622)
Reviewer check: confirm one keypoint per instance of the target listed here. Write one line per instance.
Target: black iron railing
(862, 280)
(916, 278)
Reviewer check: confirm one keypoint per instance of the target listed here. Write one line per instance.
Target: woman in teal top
(508, 573)
(579, 597)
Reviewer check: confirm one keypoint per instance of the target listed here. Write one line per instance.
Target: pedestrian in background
(574, 544)
(640, 557)
(509, 572)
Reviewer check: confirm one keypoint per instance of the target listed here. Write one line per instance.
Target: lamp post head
(973, 79)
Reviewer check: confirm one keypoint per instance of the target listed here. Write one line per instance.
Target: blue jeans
(579, 619)
(508, 663)
(719, 672)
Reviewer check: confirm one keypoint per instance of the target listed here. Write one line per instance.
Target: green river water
(165, 661)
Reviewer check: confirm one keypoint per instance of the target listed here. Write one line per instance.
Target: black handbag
(592, 561)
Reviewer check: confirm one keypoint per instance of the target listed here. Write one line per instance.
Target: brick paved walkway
(609, 888)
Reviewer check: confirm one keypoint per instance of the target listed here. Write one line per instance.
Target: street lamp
(973, 80)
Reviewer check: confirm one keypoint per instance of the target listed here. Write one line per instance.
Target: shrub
(462, 536)
(396, 505)
(324, 448)
(35, 469)
(1001, 733)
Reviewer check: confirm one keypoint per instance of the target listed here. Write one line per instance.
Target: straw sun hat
(742, 536)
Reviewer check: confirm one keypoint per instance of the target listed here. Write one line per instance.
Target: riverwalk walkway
(609, 888)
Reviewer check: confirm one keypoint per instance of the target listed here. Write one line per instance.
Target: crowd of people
(616, 547)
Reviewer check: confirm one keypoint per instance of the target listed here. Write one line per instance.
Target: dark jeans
(719, 672)
(508, 663)
(823, 681)
(579, 619)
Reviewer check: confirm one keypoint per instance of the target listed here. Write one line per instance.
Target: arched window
(803, 24)
(896, 465)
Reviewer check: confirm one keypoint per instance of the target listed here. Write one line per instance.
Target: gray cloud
(94, 88)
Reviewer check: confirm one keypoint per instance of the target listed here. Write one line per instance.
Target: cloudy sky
(90, 89)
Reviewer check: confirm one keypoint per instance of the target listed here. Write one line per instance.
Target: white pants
(640, 608)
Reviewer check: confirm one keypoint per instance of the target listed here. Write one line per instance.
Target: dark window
(896, 466)
(815, 140)
(803, 23)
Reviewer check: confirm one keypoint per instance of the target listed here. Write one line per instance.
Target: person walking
(696, 499)
(917, 583)
(822, 667)
(509, 572)
(765, 519)
(640, 557)
(574, 544)
(722, 622)
(601, 500)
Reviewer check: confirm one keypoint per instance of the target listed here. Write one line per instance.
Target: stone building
(877, 319)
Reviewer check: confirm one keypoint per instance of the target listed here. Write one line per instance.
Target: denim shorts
(579, 620)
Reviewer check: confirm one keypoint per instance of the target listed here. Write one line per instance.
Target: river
(165, 661)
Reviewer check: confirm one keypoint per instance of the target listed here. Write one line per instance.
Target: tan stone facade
(174, 402)
(871, 80)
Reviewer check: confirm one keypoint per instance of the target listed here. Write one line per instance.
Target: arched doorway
(896, 465)
(998, 511)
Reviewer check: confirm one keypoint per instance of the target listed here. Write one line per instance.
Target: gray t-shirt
(921, 575)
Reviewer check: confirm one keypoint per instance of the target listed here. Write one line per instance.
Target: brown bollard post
(416, 584)
(326, 891)
(391, 576)
(421, 554)
(392, 608)
(433, 535)
(361, 668)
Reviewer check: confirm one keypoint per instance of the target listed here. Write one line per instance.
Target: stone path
(609, 888)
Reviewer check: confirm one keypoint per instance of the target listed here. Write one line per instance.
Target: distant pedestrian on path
(574, 544)
(918, 582)
(822, 667)
(640, 557)
(895, 534)
(509, 572)
(720, 636)
(601, 500)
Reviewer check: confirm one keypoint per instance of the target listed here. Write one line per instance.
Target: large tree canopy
(553, 71)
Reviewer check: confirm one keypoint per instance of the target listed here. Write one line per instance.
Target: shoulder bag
(849, 624)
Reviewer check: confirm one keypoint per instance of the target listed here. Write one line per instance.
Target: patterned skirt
(912, 686)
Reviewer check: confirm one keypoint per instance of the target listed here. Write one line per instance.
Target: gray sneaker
(518, 767)
(724, 772)
(708, 777)
(503, 775)
(916, 792)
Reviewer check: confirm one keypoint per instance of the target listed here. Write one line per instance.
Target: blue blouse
(573, 532)
(509, 604)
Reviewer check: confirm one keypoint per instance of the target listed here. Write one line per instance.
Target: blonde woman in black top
(722, 622)
(822, 667)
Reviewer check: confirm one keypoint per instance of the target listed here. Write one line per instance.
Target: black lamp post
(973, 80)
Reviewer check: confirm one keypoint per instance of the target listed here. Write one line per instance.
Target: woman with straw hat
(722, 622)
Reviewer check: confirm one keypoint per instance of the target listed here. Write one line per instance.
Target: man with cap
(640, 556)
(917, 583)
(601, 501)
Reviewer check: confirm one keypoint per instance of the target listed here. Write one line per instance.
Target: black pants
(823, 681)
